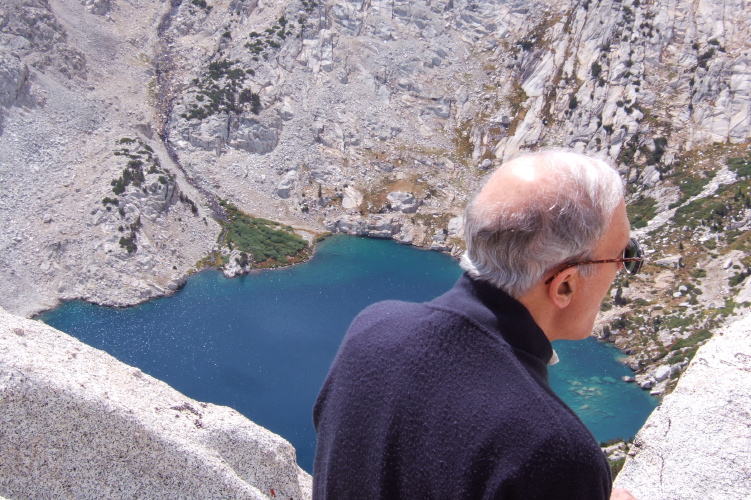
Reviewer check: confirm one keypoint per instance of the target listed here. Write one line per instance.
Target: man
(450, 398)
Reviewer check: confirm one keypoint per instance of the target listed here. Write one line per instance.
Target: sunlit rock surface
(77, 423)
(696, 444)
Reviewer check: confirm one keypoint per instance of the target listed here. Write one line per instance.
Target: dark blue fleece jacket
(450, 399)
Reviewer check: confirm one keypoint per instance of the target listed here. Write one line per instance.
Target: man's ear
(561, 290)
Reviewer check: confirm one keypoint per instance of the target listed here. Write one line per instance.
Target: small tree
(596, 69)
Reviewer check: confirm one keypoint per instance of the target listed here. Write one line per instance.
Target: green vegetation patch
(222, 90)
(269, 243)
(741, 166)
(641, 210)
(137, 158)
(616, 465)
(727, 205)
(655, 155)
(738, 278)
(690, 183)
(462, 142)
(686, 348)
(128, 242)
(202, 5)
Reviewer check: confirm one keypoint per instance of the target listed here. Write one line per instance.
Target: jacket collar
(498, 312)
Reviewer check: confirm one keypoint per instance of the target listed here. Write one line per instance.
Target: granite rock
(352, 198)
(287, 184)
(78, 423)
(695, 444)
(403, 202)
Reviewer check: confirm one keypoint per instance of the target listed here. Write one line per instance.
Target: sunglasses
(632, 260)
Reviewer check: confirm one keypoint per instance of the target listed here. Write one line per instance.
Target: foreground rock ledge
(77, 423)
(695, 445)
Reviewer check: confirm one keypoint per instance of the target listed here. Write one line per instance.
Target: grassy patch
(616, 465)
(727, 205)
(269, 243)
(641, 210)
(692, 340)
(690, 183)
(462, 142)
(698, 273)
(741, 166)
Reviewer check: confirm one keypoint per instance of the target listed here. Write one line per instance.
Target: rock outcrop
(77, 423)
(695, 444)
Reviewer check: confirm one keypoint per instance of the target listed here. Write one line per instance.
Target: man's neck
(542, 311)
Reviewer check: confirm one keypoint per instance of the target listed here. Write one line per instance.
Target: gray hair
(512, 244)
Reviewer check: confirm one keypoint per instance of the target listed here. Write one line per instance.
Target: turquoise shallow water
(262, 343)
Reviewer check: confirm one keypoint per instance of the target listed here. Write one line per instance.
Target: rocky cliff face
(78, 423)
(90, 201)
(695, 445)
(367, 117)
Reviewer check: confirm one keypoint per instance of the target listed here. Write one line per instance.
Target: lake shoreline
(314, 244)
(263, 344)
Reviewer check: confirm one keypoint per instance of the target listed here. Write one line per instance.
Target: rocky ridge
(78, 423)
(694, 444)
(82, 88)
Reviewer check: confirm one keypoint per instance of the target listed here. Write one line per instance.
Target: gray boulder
(456, 227)
(77, 423)
(650, 176)
(14, 76)
(670, 261)
(695, 444)
(237, 264)
(352, 198)
(284, 189)
(97, 7)
(402, 202)
(662, 372)
(383, 227)
(352, 225)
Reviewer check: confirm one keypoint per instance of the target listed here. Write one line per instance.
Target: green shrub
(641, 211)
(738, 278)
(689, 183)
(701, 209)
(268, 242)
(655, 156)
(741, 166)
(224, 87)
(698, 273)
(596, 69)
(727, 205)
(616, 465)
(692, 340)
(202, 4)
(679, 321)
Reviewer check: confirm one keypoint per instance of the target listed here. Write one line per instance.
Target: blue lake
(262, 343)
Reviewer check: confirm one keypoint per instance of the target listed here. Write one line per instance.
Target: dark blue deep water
(263, 343)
